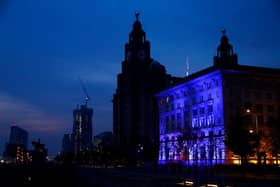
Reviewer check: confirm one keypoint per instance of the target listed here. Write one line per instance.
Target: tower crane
(87, 98)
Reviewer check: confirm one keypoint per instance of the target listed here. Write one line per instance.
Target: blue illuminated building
(195, 114)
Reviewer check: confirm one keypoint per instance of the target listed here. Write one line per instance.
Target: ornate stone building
(196, 114)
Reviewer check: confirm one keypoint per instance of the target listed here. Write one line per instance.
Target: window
(186, 114)
(201, 122)
(219, 120)
(210, 108)
(270, 108)
(258, 95)
(194, 123)
(193, 101)
(202, 135)
(247, 95)
(186, 103)
(217, 82)
(178, 116)
(259, 108)
(201, 98)
(172, 126)
(194, 112)
(209, 85)
(179, 125)
(194, 136)
(186, 124)
(260, 120)
(166, 119)
(178, 105)
(270, 121)
(269, 96)
(210, 120)
(167, 99)
(172, 117)
(248, 119)
(166, 107)
(209, 96)
(202, 110)
(172, 106)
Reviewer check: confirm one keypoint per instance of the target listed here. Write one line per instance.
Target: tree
(239, 140)
(275, 139)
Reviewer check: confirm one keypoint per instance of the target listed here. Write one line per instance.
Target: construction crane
(87, 98)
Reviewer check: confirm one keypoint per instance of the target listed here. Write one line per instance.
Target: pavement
(143, 177)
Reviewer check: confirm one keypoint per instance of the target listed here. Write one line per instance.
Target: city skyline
(47, 46)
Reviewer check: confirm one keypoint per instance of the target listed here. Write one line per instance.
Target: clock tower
(135, 112)
(137, 48)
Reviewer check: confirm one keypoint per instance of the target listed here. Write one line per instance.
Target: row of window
(261, 108)
(169, 105)
(201, 110)
(250, 119)
(169, 98)
(258, 95)
(203, 122)
(194, 136)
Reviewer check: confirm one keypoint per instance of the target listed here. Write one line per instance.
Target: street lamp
(257, 130)
(256, 120)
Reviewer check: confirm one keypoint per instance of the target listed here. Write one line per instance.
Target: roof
(241, 68)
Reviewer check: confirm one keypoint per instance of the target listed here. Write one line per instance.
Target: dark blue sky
(46, 45)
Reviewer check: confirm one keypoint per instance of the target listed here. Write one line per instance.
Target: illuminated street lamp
(257, 130)
(256, 120)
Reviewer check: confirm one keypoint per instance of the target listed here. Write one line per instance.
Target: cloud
(97, 73)
(28, 116)
(101, 76)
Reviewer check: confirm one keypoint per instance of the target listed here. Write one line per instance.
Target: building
(39, 154)
(135, 113)
(103, 142)
(196, 114)
(16, 153)
(16, 148)
(67, 144)
(18, 136)
(82, 129)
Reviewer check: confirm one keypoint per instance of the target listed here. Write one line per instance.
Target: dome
(156, 67)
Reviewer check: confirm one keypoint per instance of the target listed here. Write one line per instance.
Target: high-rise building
(16, 148)
(82, 129)
(67, 144)
(18, 136)
(103, 142)
(39, 154)
(196, 114)
(135, 113)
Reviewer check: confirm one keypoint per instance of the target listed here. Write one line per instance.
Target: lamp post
(256, 120)
(257, 130)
